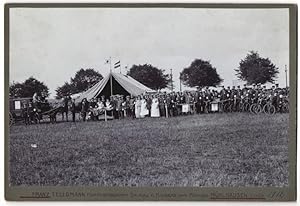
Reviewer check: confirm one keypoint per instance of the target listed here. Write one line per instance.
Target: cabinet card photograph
(150, 102)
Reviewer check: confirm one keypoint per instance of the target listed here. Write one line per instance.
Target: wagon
(17, 108)
(25, 111)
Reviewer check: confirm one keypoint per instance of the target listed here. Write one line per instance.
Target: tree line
(253, 69)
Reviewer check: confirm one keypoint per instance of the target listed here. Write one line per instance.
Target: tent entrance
(117, 89)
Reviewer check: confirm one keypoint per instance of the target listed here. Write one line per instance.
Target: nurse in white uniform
(154, 107)
(144, 110)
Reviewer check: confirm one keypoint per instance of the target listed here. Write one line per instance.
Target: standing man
(73, 110)
(222, 98)
(113, 102)
(169, 105)
(149, 103)
(131, 107)
(127, 106)
(25, 112)
(199, 102)
(84, 108)
(119, 107)
(65, 107)
(161, 105)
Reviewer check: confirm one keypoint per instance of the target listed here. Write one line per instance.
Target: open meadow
(236, 149)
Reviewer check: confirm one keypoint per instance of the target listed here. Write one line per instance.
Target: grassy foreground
(202, 150)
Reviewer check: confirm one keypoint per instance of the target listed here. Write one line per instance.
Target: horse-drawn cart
(24, 110)
(19, 109)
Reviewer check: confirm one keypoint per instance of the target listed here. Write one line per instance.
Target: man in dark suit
(84, 108)
(73, 109)
(149, 103)
(65, 107)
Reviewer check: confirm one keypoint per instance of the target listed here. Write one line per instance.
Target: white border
(2, 200)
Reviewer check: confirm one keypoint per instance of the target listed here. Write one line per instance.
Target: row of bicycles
(256, 106)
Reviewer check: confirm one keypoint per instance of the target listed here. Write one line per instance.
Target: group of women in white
(141, 109)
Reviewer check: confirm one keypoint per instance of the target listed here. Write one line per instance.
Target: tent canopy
(121, 84)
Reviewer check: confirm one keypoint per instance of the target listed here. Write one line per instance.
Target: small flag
(107, 61)
(117, 64)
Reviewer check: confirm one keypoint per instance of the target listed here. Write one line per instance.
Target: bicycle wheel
(285, 108)
(258, 108)
(252, 108)
(269, 109)
(266, 109)
(225, 107)
(240, 107)
(234, 108)
(246, 107)
(228, 107)
(255, 108)
(272, 109)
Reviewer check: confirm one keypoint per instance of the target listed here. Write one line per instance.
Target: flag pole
(171, 80)
(111, 88)
(285, 76)
(180, 80)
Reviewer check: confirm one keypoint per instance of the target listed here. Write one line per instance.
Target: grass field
(235, 149)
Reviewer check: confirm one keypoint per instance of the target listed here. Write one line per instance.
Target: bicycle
(269, 108)
(256, 108)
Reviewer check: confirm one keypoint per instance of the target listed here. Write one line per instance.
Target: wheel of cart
(11, 119)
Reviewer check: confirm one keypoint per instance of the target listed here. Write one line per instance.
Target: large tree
(28, 88)
(150, 76)
(65, 90)
(83, 79)
(200, 74)
(255, 69)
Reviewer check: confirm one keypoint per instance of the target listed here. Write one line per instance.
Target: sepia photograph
(148, 97)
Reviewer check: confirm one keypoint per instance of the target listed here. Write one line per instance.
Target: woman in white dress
(144, 110)
(137, 107)
(154, 107)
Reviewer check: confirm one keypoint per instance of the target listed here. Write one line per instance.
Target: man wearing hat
(222, 98)
(161, 105)
(127, 106)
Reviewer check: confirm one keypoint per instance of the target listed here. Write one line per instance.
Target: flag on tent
(117, 64)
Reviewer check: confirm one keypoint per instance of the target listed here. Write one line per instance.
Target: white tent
(113, 84)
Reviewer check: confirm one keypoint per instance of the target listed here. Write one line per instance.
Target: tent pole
(111, 89)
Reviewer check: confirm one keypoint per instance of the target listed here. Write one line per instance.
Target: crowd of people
(230, 99)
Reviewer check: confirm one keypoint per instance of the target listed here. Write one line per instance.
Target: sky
(51, 44)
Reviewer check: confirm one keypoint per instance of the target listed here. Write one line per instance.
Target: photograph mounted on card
(150, 102)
